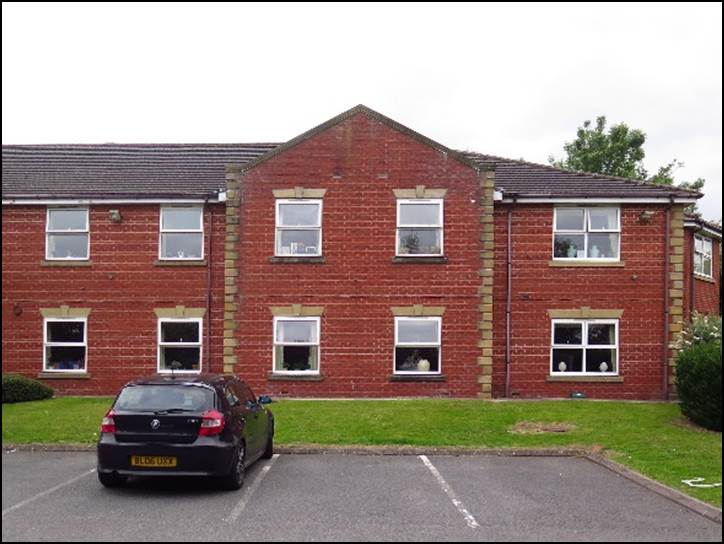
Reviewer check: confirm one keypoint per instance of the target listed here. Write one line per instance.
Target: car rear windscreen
(155, 398)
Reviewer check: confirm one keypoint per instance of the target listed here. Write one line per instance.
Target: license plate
(152, 461)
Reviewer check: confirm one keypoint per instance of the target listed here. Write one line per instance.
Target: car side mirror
(265, 399)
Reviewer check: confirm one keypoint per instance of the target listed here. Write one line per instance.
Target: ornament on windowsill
(423, 365)
(603, 367)
(562, 366)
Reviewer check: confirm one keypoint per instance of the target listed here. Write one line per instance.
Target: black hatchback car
(203, 425)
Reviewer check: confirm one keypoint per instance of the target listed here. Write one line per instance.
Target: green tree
(618, 151)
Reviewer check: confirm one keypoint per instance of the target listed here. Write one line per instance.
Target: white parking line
(46, 492)
(469, 519)
(249, 491)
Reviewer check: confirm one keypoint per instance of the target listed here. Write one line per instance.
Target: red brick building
(358, 259)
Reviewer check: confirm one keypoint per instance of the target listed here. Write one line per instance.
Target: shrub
(17, 388)
(698, 382)
(702, 328)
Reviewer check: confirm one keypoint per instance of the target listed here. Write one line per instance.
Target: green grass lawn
(651, 438)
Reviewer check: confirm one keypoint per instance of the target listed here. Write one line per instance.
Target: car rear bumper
(205, 457)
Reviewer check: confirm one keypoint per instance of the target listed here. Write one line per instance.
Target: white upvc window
(702, 256)
(65, 344)
(587, 233)
(181, 235)
(67, 236)
(298, 228)
(418, 345)
(296, 345)
(582, 347)
(420, 228)
(179, 344)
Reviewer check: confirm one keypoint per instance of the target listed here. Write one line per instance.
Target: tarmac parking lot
(333, 497)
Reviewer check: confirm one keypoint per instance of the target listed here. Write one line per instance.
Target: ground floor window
(417, 345)
(296, 345)
(179, 344)
(65, 344)
(584, 347)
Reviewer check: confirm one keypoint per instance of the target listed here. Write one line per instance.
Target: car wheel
(235, 479)
(269, 450)
(111, 479)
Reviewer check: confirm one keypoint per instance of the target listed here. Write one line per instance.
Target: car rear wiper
(172, 411)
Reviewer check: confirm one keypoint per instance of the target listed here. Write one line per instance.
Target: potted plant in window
(410, 244)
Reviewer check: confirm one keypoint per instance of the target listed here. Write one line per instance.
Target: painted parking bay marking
(469, 518)
(249, 491)
(47, 492)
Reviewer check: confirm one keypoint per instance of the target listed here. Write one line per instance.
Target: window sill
(274, 377)
(64, 375)
(420, 260)
(585, 379)
(159, 262)
(706, 279)
(584, 263)
(65, 264)
(317, 259)
(418, 378)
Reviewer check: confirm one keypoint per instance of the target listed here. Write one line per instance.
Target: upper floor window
(419, 227)
(584, 347)
(65, 341)
(587, 233)
(67, 234)
(702, 256)
(298, 228)
(182, 233)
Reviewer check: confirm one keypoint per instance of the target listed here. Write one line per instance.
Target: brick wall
(701, 294)
(637, 289)
(359, 162)
(121, 287)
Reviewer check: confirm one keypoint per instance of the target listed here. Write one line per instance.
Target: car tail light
(108, 425)
(212, 423)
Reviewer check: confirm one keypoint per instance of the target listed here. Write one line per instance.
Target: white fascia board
(705, 230)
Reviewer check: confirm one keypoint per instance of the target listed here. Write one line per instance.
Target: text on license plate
(152, 461)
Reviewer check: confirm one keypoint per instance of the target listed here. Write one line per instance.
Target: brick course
(701, 294)
(360, 162)
(121, 287)
(637, 289)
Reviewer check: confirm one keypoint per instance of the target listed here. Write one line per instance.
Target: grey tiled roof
(144, 170)
(123, 170)
(526, 179)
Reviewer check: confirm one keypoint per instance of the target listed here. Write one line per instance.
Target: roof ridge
(644, 183)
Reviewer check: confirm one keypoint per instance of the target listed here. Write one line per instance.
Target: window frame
(584, 346)
(160, 344)
(438, 345)
(278, 228)
(586, 232)
(315, 319)
(49, 232)
(47, 344)
(163, 231)
(441, 226)
(704, 255)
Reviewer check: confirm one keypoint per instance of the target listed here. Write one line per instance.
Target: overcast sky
(510, 80)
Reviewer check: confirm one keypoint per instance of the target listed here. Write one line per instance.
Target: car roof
(209, 380)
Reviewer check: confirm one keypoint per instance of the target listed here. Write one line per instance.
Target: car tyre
(269, 450)
(112, 479)
(235, 479)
